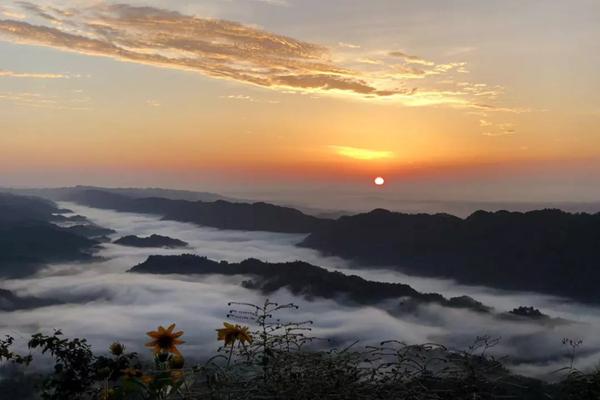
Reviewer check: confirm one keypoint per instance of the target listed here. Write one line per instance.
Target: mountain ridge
(546, 251)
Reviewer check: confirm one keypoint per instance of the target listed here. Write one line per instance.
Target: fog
(103, 303)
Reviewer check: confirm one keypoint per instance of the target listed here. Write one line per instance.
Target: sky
(447, 100)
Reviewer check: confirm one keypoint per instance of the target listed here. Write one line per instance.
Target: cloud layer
(108, 304)
(231, 50)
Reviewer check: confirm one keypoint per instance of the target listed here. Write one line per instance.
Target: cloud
(152, 103)
(250, 99)
(228, 50)
(284, 3)
(276, 2)
(348, 45)
(367, 60)
(38, 10)
(502, 129)
(410, 58)
(13, 14)
(498, 133)
(39, 100)
(101, 291)
(361, 154)
(217, 48)
(12, 74)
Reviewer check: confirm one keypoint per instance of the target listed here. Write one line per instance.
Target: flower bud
(116, 349)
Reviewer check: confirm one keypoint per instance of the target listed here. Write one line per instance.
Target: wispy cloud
(245, 97)
(411, 59)
(503, 129)
(33, 75)
(275, 2)
(11, 12)
(348, 45)
(39, 100)
(230, 50)
(361, 154)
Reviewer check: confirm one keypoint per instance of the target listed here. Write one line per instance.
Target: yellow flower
(231, 333)
(165, 340)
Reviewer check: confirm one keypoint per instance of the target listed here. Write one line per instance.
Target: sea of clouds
(104, 303)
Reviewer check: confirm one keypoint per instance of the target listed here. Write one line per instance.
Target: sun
(379, 181)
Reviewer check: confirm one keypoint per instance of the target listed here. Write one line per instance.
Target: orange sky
(221, 92)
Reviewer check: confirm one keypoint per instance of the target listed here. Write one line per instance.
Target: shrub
(282, 360)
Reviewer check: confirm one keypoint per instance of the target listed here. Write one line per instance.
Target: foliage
(265, 357)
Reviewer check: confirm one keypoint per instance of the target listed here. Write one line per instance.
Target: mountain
(218, 214)
(547, 251)
(90, 231)
(27, 245)
(150, 241)
(10, 301)
(25, 208)
(28, 238)
(59, 194)
(304, 279)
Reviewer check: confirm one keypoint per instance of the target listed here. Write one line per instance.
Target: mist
(104, 304)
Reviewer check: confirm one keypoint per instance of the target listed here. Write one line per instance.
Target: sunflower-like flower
(230, 333)
(165, 340)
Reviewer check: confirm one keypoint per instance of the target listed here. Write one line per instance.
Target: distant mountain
(528, 312)
(63, 193)
(150, 241)
(307, 280)
(90, 231)
(25, 208)
(26, 245)
(219, 214)
(531, 314)
(11, 302)
(547, 251)
(28, 238)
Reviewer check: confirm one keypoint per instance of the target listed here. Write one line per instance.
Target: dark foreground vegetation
(264, 357)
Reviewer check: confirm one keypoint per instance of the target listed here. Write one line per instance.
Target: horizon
(328, 206)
